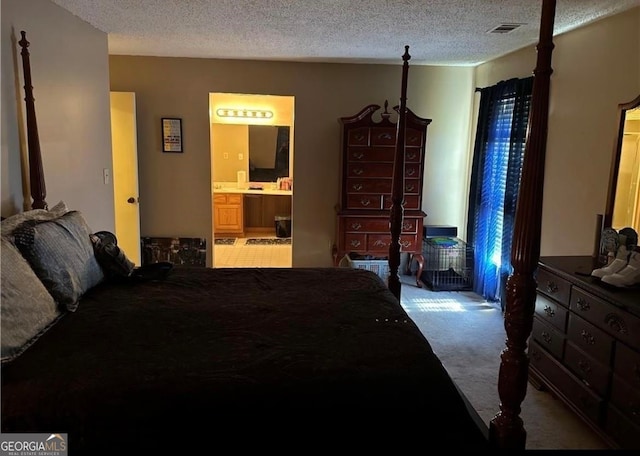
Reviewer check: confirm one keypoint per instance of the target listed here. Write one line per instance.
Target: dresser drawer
(413, 138)
(358, 137)
(622, 429)
(551, 312)
(381, 242)
(554, 286)
(355, 242)
(410, 202)
(626, 399)
(548, 337)
(627, 365)
(377, 225)
(412, 155)
(370, 170)
(590, 339)
(590, 371)
(412, 186)
(561, 381)
(612, 319)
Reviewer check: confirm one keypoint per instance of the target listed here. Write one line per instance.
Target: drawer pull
(411, 155)
(405, 244)
(546, 337)
(616, 323)
(358, 155)
(365, 202)
(549, 311)
(584, 366)
(380, 243)
(385, 136)
(409, 187)
(358, 171)
(551, 287)
(588, 337)
(411, 171)
(355, 243)
(357, 187)
(535, 355)
(583, 304)
(407, 226)
(356, 226)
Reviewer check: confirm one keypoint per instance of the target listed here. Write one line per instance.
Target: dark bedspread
(208, 356)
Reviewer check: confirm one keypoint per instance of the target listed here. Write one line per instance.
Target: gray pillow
(61, 254)
(27, 308)
(11, 223)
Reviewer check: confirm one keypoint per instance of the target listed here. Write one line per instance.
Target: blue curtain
(495, 181)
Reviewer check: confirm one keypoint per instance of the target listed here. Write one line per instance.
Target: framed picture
(171, 134)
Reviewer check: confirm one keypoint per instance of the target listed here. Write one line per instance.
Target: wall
(595, 68)
(70, 76)
(175, 188)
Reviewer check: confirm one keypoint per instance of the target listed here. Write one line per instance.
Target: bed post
(36, 174)
(397, 195)
(506, 430)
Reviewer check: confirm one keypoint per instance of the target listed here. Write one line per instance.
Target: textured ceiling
(439, 32)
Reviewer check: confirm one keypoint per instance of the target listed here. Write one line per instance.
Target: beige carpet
(468, 335)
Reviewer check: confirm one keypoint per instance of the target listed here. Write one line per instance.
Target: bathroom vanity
(237, 211)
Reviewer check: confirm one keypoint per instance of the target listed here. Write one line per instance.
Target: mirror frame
(615, 163)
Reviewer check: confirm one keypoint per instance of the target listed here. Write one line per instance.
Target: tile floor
(240, 255)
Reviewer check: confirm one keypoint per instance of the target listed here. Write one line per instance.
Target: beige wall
(69, 66)
(175, 188)
(595, 68)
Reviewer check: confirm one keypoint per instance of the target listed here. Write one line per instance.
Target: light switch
(226, 155)
(106, 176)
(240, 156)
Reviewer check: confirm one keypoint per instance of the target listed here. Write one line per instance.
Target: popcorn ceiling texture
(439, 32)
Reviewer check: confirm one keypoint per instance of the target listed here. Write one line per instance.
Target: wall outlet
(106, 176)
(240, 156)
(226, 155)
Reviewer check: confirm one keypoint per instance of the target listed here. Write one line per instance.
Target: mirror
(623, 202)
(268, 152)
(262, 151)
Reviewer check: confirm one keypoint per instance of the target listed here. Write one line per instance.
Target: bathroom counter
(248, 191)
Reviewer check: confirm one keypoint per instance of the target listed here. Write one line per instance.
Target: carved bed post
(36, 174)
(397, 195)
(506, 429)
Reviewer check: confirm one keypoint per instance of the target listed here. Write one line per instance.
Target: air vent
(504, 28)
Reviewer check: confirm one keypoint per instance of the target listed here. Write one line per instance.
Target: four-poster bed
(216, 353)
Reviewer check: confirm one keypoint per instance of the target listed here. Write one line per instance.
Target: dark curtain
(495, 181)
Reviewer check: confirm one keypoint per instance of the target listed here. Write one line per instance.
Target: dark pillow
(111, 258)
(61, 254)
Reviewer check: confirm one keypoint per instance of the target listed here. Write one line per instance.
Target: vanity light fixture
(249, 113)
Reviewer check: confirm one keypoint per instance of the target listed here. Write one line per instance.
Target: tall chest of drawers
(585, 347)
(367, 156)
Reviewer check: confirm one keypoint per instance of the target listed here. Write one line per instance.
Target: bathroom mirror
(623, 201)
(262, 151)
(268, 152)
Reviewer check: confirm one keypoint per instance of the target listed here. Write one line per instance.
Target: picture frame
(171, 135)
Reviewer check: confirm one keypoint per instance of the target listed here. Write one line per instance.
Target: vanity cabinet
(228, 213)
(585, 347)
(367, 156)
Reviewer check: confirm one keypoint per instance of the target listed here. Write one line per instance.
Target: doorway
(252, 157)
(124, 152)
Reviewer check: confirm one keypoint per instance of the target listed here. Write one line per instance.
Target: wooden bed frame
(506, 430)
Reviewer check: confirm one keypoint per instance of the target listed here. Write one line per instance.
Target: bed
(201, 358)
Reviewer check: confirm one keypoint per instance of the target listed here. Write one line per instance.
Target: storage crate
(378, 265)
(448, 264)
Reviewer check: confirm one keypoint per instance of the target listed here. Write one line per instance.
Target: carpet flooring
(467, 333)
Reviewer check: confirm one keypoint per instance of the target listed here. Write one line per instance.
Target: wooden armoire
(367, 153)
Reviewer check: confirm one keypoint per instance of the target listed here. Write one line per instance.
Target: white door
(125, 173)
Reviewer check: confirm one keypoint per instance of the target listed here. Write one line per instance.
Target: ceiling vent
(504, 28)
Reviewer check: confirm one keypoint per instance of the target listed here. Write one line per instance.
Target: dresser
(367, 155)
(585, 347)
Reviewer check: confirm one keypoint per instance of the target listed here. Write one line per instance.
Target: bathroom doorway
(252, 157)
